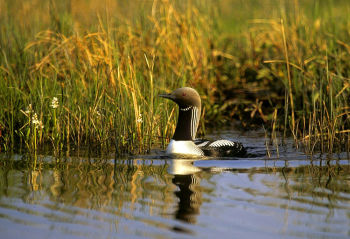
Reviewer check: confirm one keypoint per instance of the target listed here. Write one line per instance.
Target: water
(151, 197)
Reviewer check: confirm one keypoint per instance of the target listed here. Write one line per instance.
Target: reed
(99, 88)
(294, 61)
(92, 77)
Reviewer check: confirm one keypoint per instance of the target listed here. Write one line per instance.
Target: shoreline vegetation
(82, 73)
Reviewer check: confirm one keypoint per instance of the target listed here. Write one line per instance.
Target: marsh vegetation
(77, 73)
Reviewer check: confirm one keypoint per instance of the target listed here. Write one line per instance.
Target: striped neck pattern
(187, 123)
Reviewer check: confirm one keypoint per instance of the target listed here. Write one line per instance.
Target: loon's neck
(187, 123)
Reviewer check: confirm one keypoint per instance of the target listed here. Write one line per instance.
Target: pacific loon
(184, 140)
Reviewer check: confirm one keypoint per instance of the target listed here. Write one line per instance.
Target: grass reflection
(172, 194)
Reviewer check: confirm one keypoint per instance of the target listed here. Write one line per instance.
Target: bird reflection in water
(187, 178)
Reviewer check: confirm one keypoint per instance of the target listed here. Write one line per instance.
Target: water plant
(295, 62)
(95, 80)
(97, 88)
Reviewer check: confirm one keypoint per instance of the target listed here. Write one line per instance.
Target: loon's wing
(221, 148)
(202, 142)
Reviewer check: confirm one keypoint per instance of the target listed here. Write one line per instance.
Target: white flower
(139, 119)
(35, 120)
(54, 103)
(37, 123)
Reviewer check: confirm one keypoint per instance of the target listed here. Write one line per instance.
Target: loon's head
(189, 103)
(185, 97)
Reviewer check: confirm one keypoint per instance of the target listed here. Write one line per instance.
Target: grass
(85, 73)
(296, 62)
(106, 82)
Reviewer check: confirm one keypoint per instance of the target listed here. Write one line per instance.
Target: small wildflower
(139, 119)
(37, 123)
(54, 103)
(35, 120)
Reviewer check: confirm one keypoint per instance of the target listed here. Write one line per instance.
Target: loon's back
(221, 148)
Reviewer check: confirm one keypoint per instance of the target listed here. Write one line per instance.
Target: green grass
(296, 61)
(284, 64)
(106, 81)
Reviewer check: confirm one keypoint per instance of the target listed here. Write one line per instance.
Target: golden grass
(107, 62)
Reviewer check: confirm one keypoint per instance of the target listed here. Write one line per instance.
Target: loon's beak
(167, 96)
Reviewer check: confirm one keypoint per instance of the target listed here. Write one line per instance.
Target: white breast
(183, 148)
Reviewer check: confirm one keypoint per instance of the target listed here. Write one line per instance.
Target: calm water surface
(151, 197)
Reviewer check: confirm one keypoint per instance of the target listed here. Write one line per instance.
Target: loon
(184, 142)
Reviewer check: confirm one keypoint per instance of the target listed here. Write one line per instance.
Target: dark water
(150, 197)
